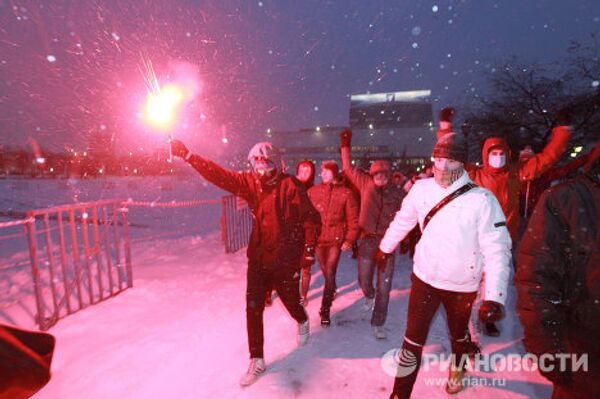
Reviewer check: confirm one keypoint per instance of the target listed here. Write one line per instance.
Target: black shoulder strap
(445, 201)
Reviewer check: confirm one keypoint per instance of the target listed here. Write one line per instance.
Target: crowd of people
(463, 224)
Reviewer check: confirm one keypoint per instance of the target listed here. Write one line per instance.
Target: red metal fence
(236, 223)
(80, 255)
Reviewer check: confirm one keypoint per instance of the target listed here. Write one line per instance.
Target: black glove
(178, 149)
(345, 137)
(564, 116)
(308, 257)
(381, 258)
(491, 311)
(447, 114)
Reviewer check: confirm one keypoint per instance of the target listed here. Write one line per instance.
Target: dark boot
(491, 330)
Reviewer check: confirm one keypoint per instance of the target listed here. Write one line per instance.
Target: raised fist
(345, 137)
(179, 149)
(447, 114)
(564, 116)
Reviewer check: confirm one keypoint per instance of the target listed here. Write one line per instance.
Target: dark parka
(283, 216)
(558, 279)
(338, 207)
(378, 205)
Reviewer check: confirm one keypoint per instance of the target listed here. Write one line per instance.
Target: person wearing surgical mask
(497, 158)
(506, 178)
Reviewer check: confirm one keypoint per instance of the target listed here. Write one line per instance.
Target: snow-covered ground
(180, 332)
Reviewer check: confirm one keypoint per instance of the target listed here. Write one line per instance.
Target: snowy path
(180, 333)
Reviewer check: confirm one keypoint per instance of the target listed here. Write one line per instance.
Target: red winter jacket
(283, 216)
(506, 182)
(338, 207)
(25, 358)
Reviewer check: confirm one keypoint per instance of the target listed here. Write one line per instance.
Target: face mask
(445, 178)
(265, 170)
(497, 161)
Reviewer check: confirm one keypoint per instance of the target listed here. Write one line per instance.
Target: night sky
(69, 69)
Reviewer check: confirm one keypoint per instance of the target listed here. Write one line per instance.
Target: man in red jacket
(338, 207)
(284, 231)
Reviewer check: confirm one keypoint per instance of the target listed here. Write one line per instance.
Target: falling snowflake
(416, 31)
(595, 83)
(51, 58)
(435, 8)
(415, 45)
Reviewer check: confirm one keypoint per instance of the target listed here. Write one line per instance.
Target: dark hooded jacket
(311, 180)
(283, 216)
(506, 182)
(558, 279)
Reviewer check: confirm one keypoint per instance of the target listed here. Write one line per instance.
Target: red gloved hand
(346, 137)
(491, 311)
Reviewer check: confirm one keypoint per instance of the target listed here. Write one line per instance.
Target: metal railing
(236, 223)
(80, 255)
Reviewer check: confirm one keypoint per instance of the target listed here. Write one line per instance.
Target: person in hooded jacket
(558, 283)
(380, 199)
(505, 178)
(338, 207)
(305, 173)
(284, 232)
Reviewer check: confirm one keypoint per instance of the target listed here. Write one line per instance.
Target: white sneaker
(303, 332)
(379, 332)
(255, 370)
(368, 305)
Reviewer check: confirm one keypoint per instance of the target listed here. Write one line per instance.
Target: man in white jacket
(464, 239)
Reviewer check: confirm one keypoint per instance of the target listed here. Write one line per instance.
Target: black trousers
(423, 303)
(329, 257)
(285, 280)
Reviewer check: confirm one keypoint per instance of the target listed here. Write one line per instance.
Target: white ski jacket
(465, 238)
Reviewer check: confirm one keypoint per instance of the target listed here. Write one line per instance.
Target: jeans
(366, 270)
(328, 257)
(423, 302)
(259, 279)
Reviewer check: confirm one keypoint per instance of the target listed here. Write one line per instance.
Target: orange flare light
(161, 107)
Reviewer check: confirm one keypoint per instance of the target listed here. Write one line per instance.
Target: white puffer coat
(466, 238)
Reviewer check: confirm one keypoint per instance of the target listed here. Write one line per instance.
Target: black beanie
(451, 146)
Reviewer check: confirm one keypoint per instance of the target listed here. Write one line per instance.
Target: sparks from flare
(161, 104)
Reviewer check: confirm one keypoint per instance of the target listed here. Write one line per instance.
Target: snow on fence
(80, 255)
